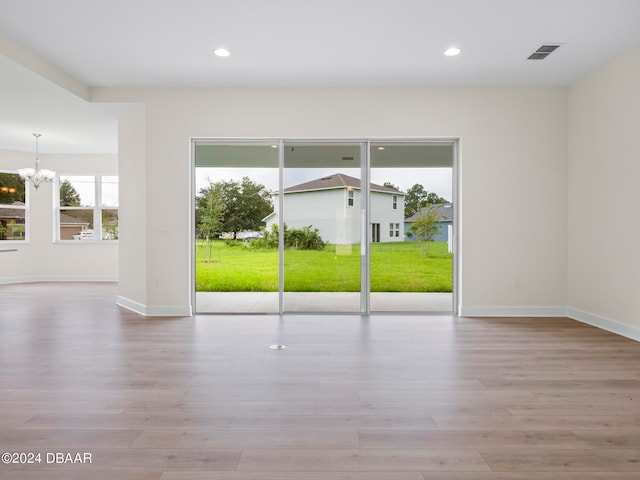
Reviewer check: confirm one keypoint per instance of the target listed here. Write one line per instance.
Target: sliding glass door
(322, 205)
(236, 264)
(411, 255)
(323, 226)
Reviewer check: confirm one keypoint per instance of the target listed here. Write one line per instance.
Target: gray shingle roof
(444, 209)
(70, 220)
(13, 213)
(337, 180)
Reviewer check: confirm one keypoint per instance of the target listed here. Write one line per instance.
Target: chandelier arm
(35, 175)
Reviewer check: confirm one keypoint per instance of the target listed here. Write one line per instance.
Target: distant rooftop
(337, 180)
(444, 209)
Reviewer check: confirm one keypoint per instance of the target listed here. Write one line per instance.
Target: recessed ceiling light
(380, 147)
(274, 146)
(452, 52)
(222, 52)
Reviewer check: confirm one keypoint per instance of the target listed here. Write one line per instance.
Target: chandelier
(36, 175)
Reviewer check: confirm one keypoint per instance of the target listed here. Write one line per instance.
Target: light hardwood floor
(350, 398)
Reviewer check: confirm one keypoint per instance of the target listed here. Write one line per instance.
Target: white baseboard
(154, 311)
(131, 305)
(58, 278)
(614, 326)
(626, 330)
(513, 311)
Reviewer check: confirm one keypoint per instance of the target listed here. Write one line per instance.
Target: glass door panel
(236, 263)
(322, 219)
(411, 214)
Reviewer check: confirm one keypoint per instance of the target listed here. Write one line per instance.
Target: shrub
(304, 238)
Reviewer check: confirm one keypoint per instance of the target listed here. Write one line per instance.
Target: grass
(395, 267)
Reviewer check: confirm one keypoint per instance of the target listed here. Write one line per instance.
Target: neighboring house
(12, 222)
(332, 205)
(70, 226)
(446, 213)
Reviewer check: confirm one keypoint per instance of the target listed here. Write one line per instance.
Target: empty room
(337, 240)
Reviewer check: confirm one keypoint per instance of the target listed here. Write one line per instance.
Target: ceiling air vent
(543, 52)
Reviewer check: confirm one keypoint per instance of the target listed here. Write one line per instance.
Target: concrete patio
(329, 302)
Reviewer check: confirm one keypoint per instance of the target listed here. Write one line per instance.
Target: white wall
(338, 223)
(512, 167)
(603, 203)
(132, 221)
(382, 212)
(40, 258)
(325, 210)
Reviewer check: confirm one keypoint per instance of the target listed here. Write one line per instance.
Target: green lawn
(395, 267)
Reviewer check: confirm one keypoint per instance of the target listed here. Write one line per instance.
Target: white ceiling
(30, 104)
(299, 43)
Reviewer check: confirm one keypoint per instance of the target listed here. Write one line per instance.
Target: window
(88, 208)
(13, 208)
(395, 202)
(350, 197)
(397, 229)
(394, 230)
(391, 230)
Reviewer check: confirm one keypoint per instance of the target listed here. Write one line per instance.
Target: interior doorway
(360, 226)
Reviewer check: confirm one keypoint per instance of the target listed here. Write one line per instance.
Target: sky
(438, 180)
(85, 186)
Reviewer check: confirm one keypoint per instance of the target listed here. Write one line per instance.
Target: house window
(350, 198)
(391, 230)
(395, 202)
(397, 230)
(88, 208)
(13, 208)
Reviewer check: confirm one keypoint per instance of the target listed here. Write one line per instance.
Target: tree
(434, 199)
(414, 200)
(245, 204)
(253, 204)
(426, 226)
(417, 197)
(11, 188)
(69, 196)
(210, 224)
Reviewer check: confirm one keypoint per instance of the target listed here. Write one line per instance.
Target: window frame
(25, 240)
(97, 209)
(394, 200)
(350, 197)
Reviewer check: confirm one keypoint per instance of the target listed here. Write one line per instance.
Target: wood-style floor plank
(539, 422)
(194, 421)
(388, 397)
(528, 476)
(64, 439)
(586, 460)
(362, 460)
(248, 439)
(82, 475)
(415, 439)
(293, 476)
(139, 459)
